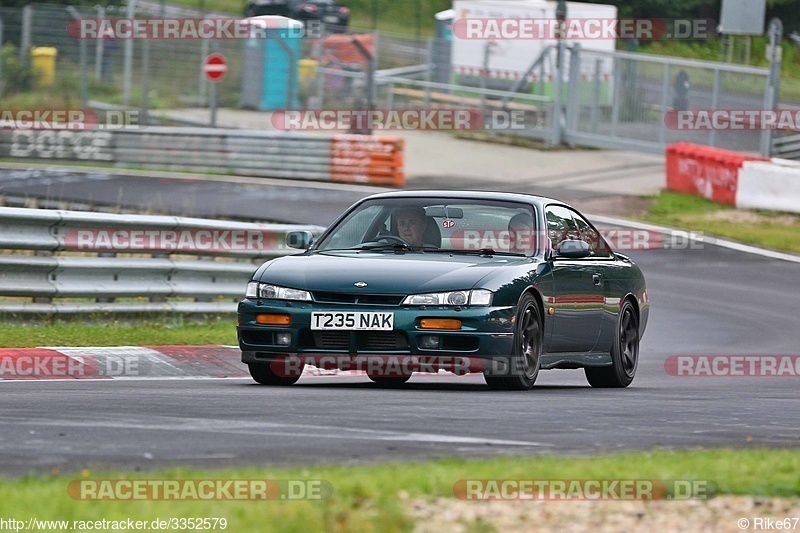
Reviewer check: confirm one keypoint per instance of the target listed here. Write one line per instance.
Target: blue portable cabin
(270, 71)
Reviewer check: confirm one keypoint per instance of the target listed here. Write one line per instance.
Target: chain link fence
(607, 99)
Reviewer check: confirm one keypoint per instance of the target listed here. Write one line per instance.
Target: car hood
(384, 273)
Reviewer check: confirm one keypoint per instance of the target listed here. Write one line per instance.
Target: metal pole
(25, 38)
(370, 86)
(128, 60)
(145, 80)
(429, 71)
(662, 130)
(213, 104)
(771, 93)
(598, 66)
(487, 51)
(1, 63)
(561, 16)
(203, 82)
(555, 138)
(83, 60)
(573, 89)
(712, 134)
(98, 51)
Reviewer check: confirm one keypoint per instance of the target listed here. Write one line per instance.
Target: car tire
(265, 375)
(526, 355)
(624, 353)
(389, 381)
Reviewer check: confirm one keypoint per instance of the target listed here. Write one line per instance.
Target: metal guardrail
(291, 155)
(786, 146)
(130, 256)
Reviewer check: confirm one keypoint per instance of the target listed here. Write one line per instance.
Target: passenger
(520, 233)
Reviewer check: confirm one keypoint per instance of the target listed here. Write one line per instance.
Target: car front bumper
(486, 334)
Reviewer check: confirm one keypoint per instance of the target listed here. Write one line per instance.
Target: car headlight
(476, 297)
(275, 292)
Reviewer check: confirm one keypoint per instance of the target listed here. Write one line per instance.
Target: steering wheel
(394, 238)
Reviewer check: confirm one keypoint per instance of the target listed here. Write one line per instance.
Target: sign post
(214, 68)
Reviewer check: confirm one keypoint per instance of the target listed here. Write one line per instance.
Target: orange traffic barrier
(374, 159)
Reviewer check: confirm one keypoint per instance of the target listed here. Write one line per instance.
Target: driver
(411, 225)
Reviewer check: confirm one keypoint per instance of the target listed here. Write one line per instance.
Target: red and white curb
(121, 362)
(142, 362)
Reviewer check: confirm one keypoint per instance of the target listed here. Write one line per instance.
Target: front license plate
(353, 321)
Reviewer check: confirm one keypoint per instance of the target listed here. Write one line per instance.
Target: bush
(15, 77)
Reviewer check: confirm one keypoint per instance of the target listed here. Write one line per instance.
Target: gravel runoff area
(719, 514)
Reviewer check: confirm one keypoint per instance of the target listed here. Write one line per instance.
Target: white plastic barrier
(773, 185)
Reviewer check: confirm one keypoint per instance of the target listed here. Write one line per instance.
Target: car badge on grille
(360, 284)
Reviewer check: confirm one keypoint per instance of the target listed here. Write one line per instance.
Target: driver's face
(410, 227)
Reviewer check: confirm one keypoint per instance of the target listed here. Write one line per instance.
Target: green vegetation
(375, 497)
(762, 228)
(107, 330)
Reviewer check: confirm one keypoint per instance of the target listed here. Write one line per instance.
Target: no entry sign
(215, 67)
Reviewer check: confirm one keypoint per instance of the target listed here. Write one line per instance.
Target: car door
(608, 267)
(577, 288)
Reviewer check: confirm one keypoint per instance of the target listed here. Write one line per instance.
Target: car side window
(560, 225)
(597, 244)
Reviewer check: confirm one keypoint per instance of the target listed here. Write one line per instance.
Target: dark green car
(499, 283)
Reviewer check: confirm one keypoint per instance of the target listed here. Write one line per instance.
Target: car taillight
(343, 10)
(309, 8)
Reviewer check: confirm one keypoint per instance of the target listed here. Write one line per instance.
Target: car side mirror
(573, 249)
(299, 239)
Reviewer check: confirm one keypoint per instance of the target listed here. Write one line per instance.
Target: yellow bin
(43, 61)
(306, 69)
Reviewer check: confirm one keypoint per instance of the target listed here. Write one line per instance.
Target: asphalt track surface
(709, 301)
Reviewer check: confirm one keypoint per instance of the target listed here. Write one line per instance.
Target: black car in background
(333, 15)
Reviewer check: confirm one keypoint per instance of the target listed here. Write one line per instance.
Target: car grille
(332, 340)
(365, 341)
(362, 299)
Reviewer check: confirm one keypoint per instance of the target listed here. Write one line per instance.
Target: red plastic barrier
(705, 171)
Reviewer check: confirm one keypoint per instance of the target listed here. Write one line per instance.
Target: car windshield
(436, 225)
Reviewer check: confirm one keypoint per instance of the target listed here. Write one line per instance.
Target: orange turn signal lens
(274, 320)
(440, 323)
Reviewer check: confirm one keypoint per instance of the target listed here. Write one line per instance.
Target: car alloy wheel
(624, 353)
(526, 357)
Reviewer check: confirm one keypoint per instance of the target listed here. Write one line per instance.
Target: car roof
(470, 195)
